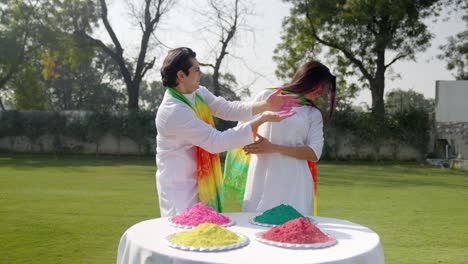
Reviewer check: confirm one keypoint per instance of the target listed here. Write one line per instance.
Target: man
(188, 166)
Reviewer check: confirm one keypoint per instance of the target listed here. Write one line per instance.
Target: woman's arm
(263, 146)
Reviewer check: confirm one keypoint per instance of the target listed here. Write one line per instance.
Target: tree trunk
(216, 88)
(1, 104)
(378, 87)
(377, 91)
(133, 94)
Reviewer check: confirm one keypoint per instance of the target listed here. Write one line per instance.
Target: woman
(279, 172)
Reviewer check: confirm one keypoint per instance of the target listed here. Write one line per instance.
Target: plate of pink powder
(199, 214)
(296, 234)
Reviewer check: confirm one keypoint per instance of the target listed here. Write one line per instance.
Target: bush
(89, 127)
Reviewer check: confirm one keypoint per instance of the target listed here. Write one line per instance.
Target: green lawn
(75, 208)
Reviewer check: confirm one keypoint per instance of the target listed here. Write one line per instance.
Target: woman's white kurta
(275, 179)
(179, 131)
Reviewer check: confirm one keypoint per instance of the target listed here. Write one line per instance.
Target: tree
(399, 100)
(455, 52)
(29, 90)
(152, 94)
(148, 18)
(226, 86)
(358, 35)
(19, 26)
(91, 85)
(30, 33)
(227, 19)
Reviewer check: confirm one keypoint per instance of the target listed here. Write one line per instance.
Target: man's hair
(176, 60)
(308, 78)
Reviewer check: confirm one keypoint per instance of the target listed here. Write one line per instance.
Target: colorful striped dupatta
(209, 175)
(236, 167)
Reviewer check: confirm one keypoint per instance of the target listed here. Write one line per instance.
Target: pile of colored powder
(297, 231)
(206, 235)
(198, 214)
(278, 215)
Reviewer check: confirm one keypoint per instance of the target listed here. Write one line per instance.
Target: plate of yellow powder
(207, 237)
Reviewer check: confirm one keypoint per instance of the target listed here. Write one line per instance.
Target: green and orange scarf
(237, 163)
(209, 175)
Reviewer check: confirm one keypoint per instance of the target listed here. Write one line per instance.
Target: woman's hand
(262, 145)
(278, 102)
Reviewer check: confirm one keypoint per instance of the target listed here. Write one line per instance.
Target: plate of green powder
(278, 215)
(207, 238)
(253, 222)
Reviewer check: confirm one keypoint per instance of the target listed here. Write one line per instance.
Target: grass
(74, 209)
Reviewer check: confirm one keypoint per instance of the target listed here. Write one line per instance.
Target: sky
(250, 58)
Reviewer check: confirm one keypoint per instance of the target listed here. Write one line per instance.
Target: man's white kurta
(179, 131)
(275, 179)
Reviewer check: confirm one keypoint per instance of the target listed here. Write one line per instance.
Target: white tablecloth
(143, 243)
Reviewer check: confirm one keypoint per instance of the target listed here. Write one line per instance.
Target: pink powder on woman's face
(297, 231)
(198, 214)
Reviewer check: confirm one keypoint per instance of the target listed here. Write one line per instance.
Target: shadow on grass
(49, 160)
(390, 174)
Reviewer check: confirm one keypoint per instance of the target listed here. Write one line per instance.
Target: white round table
(144, 243)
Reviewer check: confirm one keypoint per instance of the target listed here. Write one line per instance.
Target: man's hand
(278, 102)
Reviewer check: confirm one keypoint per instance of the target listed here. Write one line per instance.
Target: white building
(451, 119)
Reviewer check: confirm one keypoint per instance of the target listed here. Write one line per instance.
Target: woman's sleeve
(315, 136)
(227, 110)
(183, 124)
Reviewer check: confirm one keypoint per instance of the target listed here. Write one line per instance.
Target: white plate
(231, 223)
(252, 221)
(259, 237)
(244, 241)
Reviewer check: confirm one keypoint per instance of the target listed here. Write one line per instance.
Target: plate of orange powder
(207, 238)
(297, 233)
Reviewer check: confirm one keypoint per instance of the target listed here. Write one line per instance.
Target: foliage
(151, 95)
(90, 85)
(413, 127)
(12, 123)
(399, 100)
(30, 92)
(140, 127)
(356, 35)
(19, 29)
(81, 126)
(38, 41)
(455, 52)
(410, 126)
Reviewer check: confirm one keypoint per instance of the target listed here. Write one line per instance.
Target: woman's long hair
(309, 77)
